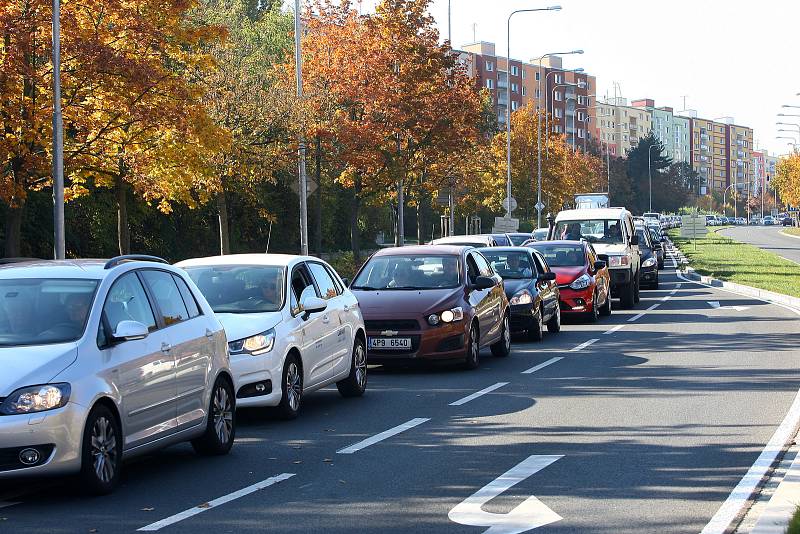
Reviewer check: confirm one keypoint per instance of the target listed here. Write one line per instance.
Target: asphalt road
(647, 429)
(768, 238)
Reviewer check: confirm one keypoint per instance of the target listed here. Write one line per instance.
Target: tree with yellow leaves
(787, 179)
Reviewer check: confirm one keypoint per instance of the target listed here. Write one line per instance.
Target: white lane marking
(6, 504)
(673, 292)
(745, 488)
(678, 285)
(542, 365)
(158, 525)
(386, 434)
(639, 316)
(477, 394)
(717, 306)
(615, 329)
(583, 345)
(532, 513)
(666, 298)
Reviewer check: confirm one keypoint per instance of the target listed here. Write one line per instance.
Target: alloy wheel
(506, 334)
(473, 345)
(360, 363)
(223, 414)
(104, 450)
(293, 386)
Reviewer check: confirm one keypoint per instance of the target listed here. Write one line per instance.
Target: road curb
(783, 232)
(782, 505)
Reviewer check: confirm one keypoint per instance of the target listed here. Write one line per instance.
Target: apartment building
(764, 168)
(672, 130)
(619, 127)
(721, 153)
(568, 96)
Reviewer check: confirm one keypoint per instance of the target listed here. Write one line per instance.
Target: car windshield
(561, 255)
(592, 230)
(241, 288)
(501, 240)
(540, 234)
(518, 240)
(409, 272)
(44, 311)
(510, 265)
(642, 234)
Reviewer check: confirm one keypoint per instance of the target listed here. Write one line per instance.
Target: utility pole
(58, 140)
(301, 145)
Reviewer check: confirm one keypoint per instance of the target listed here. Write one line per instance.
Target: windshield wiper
(367, 288)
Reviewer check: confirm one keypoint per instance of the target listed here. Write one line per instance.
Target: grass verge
(729, 260)
(792, 231)
(794, 523)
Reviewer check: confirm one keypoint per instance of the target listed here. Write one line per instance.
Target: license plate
(398, 343)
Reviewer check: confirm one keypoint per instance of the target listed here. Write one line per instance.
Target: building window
(489, 66)
(557, 78)
(559, 113)
(558, 96)
(490, 84)
(514, 105)
(524, 92)
(523, 74)
(580, 133)
(538, 76)
(514, 70)
(514, 88)
(538, 93)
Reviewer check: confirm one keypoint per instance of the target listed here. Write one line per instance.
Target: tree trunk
(354, 208)
(224, 233)
(318, 218)
(13, 231)
(123, 231)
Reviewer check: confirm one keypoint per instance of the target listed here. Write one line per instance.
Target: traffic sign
(505, 224)
(513, 204)
(693, 226)
(539, 206)
(311, 187)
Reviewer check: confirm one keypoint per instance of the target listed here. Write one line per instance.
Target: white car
(293, 326)
(476, 241)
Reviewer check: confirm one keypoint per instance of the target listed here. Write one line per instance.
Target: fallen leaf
(204, 505)
(298, 462)
(327, 460)
(342, 482)
(148, 509)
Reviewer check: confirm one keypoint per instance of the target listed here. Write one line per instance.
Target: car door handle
(209, 333)
(346, 307)
(326, 319)
(166, 347)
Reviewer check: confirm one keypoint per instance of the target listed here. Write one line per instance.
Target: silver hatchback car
(104, 360)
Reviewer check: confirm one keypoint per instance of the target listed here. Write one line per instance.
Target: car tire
(605, 309)
(654, 285)
(221, 422)
(356, 382)
(101, 452)
(502, 347)
(594, 315)
(637, 288)
(291, 388)
(473, 349)
(554, 324)
(536, 328)
(627, 298)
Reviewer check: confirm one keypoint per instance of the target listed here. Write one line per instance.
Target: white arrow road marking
(531, 514)
(716, 305)
(383, 435)
(186, 514)
(477, 394)
(542, 365)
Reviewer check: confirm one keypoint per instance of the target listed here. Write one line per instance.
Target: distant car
(583, 280)
(711, 220)
(531, 289)
(540, 234)
(502, 240)
(106, 360)
(787, 221)
(654, 216)
(658, 242)
(649, 272)
(768, 220)
(476, 241)
(755, 221)
(292, 325)
(432, 302)
(518, 238)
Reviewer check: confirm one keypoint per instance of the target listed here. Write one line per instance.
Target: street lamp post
(508, 93)
(301, 145)
(724, 203)
(59, 249)
(650, 172)
(549, 104)
(574, 114)
(552, 100)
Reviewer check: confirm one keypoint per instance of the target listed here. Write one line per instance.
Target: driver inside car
(518, 267)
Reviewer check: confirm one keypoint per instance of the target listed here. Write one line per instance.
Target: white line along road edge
(383, 435)
(741, 493)
(542, 365)
(158, 525)
(477, 394)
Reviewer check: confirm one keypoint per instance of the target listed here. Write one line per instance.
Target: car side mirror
(346, 282)
(313, 305)
(598, 265)
(130, 331)
(634, 240)
(484, 282)
(546, 277)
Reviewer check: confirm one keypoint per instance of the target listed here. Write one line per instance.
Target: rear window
(561, 255)
(409, 272)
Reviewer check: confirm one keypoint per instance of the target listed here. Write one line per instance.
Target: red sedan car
(581, 275)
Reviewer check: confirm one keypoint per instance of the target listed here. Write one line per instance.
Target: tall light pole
(451, 196)
(59, 249)
(794, 142)
(301, 145)
(724, 192)
(539, 133)
(650, 172)
(508, 93)
(548, 105)
(574, 114)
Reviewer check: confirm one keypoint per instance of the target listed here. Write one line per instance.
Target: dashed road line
(477, 394)
(191, 512)
(542, 365)
(386, 434)
(6, 504)
(615, 329)
(583, 345)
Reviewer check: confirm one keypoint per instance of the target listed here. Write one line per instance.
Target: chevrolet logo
(389, 333)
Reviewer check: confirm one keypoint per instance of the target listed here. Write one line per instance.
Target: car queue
(106, 360)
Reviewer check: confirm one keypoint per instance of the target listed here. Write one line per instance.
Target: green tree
(641, 160)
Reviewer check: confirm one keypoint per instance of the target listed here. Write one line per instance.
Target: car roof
(89, 269)
(461, 238)
(560, 242)
(275, 260)
(424, 250)
(591, 213)
(503, 249)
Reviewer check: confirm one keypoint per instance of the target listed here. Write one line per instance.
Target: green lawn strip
(794, 523)
(729, 260)
(792, 231)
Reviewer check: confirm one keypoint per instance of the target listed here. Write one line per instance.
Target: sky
(729, 58)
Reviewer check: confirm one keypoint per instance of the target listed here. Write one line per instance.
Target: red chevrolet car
(582, 277)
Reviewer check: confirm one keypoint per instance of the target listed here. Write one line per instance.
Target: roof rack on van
(113, 262)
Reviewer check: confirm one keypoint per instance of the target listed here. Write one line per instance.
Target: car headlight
(521, 297)
(255, 345)
(649, 262)
(448, 316)
(582, 282)
(618, 261)
(34, 399)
